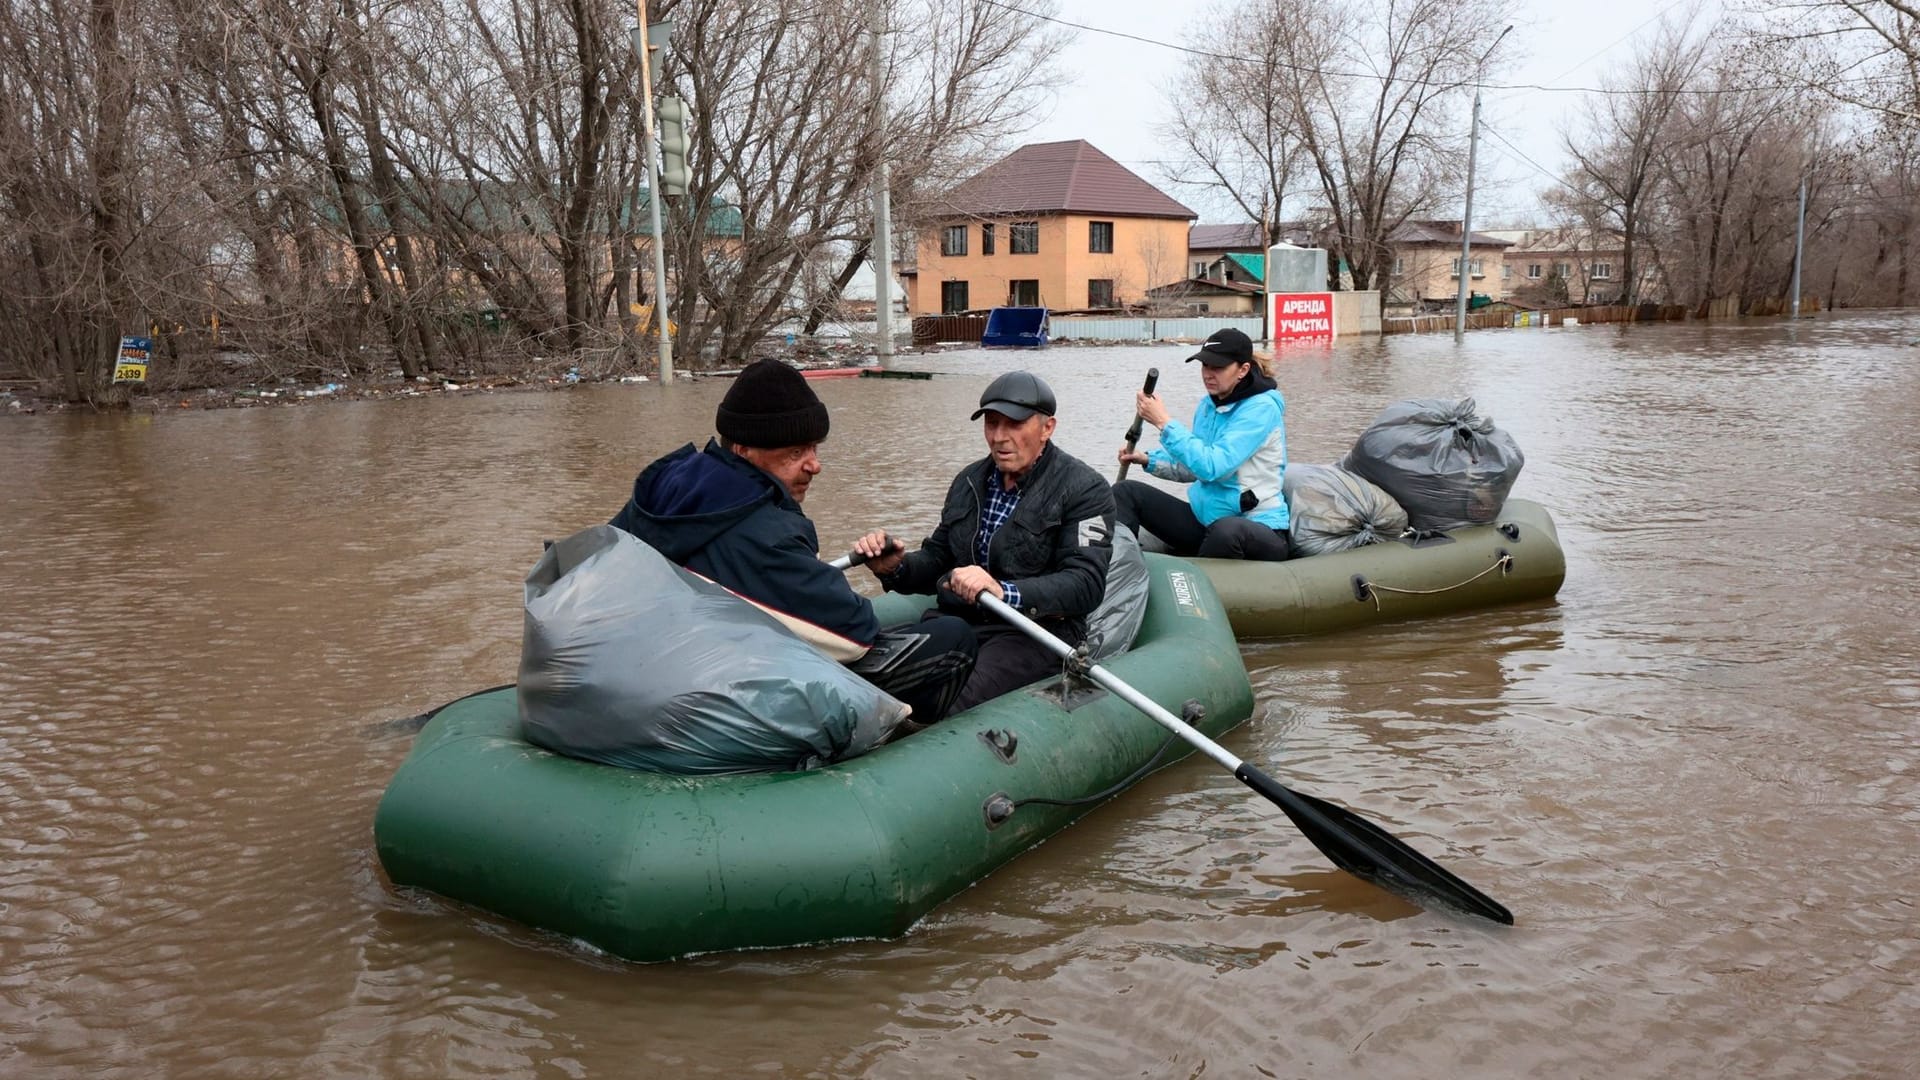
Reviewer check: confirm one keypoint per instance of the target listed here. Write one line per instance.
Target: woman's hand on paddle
(1130, 456)
(883, 552)
(1150, 408)
(968, 582)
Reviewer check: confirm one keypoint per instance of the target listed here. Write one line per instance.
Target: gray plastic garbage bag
(1446, 465)
(630, 660)
(1331, 509)
(1112, 626)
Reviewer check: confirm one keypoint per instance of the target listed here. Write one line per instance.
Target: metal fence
(928, 329)
(1149, 329)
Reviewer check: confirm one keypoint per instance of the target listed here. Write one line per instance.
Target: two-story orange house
(1056, 224)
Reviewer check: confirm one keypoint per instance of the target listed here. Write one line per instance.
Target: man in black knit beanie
(731, 513)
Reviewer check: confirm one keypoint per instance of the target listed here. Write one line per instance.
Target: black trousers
(1168, 517)
(924, 665)
(1008, 660)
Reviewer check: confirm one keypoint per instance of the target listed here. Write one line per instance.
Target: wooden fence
(1434, 324)
(928, 329)
(1781, 305)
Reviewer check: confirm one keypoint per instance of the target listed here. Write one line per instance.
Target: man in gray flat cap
(1029, 523)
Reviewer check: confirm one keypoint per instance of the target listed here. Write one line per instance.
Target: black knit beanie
(770, 405)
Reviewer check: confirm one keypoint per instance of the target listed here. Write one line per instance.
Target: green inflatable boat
(651, 867)
(1516, 557)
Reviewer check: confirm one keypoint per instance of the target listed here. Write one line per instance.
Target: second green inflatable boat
(651, 867)
(1516, 557)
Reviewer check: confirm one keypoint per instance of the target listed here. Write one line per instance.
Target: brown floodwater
(1692, 776)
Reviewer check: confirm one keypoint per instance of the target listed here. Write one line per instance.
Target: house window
(1100, 237)
(1560, 269)
(1023, 238)
(953, 240)
(953, 297)
(1199, 269)
(1506, 271)
(1100, 292)
(1533, 271)
(986, 238)
(1023, 293)
(1602, 271)
(1474, 267)
(1399, 265)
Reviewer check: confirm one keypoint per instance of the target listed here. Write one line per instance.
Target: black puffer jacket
(1054, 548)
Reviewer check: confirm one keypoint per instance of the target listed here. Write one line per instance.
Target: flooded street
(1693, 777)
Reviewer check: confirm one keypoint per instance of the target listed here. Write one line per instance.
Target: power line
(1537, 167)
(1310, 70)
(1609, 46)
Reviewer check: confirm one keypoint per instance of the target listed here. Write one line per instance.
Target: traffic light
(673, 145)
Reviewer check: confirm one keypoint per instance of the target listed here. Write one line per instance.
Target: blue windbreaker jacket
(1240, 446)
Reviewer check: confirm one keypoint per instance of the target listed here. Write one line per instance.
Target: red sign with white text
(1296, 317)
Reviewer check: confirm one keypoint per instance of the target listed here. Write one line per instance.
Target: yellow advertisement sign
(135, 354)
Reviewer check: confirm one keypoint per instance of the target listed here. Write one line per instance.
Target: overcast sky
(1116, 89)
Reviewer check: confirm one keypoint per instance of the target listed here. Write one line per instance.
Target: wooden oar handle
(1133, 429)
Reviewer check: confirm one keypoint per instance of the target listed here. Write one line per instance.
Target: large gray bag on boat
(1331, 509)
(1446, 465)
(630, 660)
(1112, 626)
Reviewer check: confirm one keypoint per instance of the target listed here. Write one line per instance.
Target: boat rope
(1373, 589)
(1109, 793)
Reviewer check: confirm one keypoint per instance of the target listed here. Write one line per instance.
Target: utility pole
(882, 199)
(1799, 239)
(1466, 211)
(643, 44)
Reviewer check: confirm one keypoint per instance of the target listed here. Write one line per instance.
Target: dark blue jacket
(722, 517)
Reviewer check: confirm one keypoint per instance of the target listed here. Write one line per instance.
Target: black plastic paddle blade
(1371, 853)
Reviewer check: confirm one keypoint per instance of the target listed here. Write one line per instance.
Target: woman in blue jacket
(1232, 460)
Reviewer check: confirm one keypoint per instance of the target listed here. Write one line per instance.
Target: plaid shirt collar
(1000, 505)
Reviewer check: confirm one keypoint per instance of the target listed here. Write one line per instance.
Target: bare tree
(1625, 130)
(69, 78)
(1864, 56)
(1863, 53)
(1360, 86)
(1236, 121)
(962, 77)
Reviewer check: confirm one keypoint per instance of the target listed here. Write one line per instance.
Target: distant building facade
(1566, 266)
(1426, 265)
(1207, 244)
(1057, 224)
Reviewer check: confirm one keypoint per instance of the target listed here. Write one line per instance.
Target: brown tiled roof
(1203, 286)
(1244, 236)
(1061, 177)
(1440, 232)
